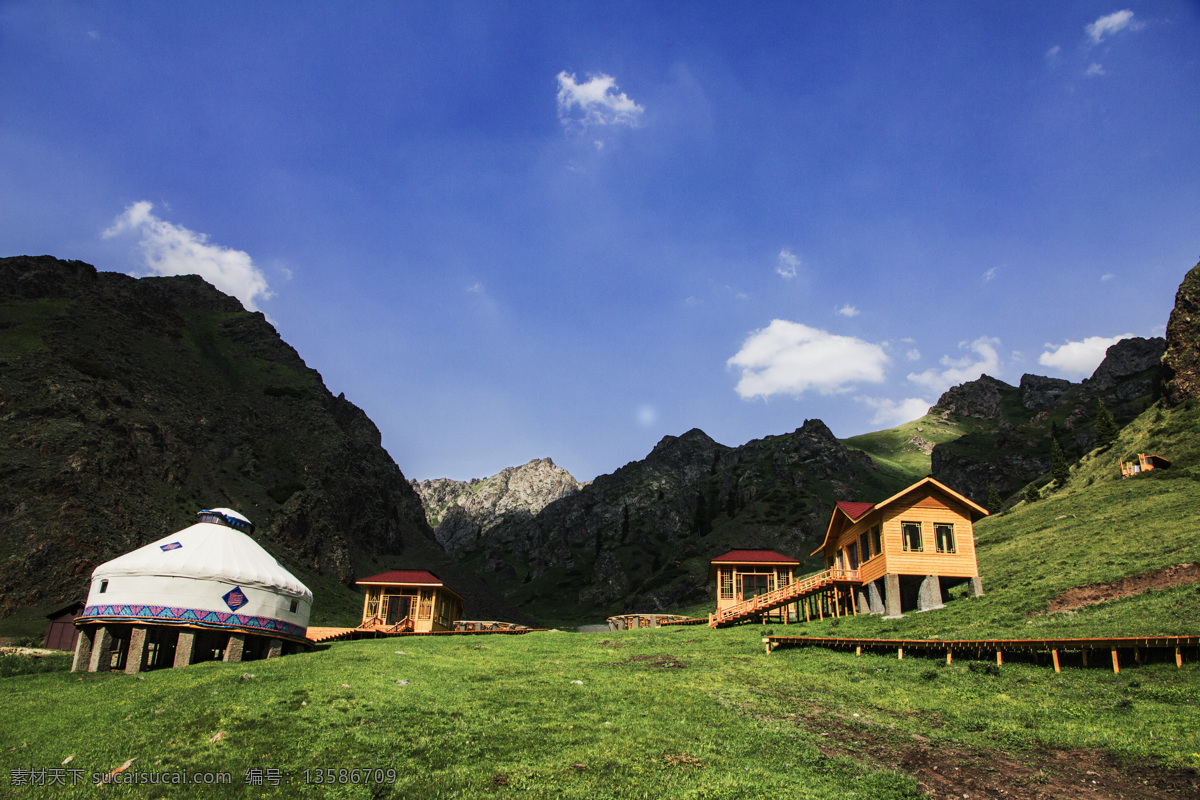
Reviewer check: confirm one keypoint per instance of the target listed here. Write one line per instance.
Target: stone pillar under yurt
(206, 593)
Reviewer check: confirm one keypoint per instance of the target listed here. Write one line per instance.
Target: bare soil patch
(1162, 578)
(946, 771)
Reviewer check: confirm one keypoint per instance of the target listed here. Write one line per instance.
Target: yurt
(208, 592)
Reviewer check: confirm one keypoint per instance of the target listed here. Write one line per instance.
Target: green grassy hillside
(902, 452)
(1097, 529)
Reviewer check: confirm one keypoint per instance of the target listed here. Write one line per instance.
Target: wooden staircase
(796, 590)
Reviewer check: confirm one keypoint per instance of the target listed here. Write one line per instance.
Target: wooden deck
(799, 589)
(319, 635)
(1099, 650)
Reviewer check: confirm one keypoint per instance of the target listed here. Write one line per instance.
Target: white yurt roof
(208, 551)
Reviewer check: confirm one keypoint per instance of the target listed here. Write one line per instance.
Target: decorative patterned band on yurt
(191, 616)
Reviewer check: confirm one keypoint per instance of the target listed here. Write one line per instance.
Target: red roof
(755, 557)
(421, 576)
(854, 510)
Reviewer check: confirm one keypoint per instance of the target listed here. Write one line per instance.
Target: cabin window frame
(852, 559)
(904, 537)
(864, 546)
(938, 527)
(877, 539)
(726, 583)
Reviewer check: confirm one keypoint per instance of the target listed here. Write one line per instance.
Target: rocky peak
(690, 456)
(1041, 394)
(1182, 358)
(461, 511)
(1127, 358)
(979, 398)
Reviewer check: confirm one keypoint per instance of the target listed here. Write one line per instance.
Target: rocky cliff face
(1011, 444)
(1181, 378)
(462, 511)
(126, 405)
(641, 538)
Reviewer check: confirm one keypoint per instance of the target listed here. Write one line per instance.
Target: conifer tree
(1031, 494)
(1106, 426)
(1060, 470)
(993, 501)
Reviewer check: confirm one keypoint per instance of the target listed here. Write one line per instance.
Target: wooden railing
(378, 623)
(801, 587)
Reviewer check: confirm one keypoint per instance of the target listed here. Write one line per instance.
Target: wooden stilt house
(907, 551)
(409, 601)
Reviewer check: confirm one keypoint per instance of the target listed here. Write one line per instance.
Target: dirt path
(1094, 593)
(955, 772)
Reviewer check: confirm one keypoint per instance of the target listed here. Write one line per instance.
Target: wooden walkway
(1057, 649)
(319, 635)
(782, 596)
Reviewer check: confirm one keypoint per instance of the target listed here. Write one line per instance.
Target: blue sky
(511, 231)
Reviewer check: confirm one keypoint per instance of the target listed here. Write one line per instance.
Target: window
(864, 546)
(876, 540)
(103, 586)
(294, 605)
(851, 556)
(726, 583)
(943, 534)
(912, 536)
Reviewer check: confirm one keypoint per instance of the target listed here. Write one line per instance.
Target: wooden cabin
(905, 552)
(1144, 463)
(744, 574)
(409, 601)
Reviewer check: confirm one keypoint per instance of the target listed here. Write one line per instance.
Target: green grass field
(688, 712)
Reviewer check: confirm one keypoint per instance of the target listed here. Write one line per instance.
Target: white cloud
(171, 249)
(788, 264)
(847, 311)
(1106, 277)
(961, 370)
(596, 102)
(1114, 22)
(1053, 52)
(892, 413)
(1079, 359)
(475, 288)
(791, 358)
(913, 355)
(989, 275)
(1094, 70)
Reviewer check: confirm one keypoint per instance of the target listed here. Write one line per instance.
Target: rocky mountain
(1012, 427)
(1181, 364)
(641, 537)
(462, 511)
(126, 405)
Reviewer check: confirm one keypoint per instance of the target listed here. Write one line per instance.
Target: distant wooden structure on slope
(409, 601)
(1144, 463)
